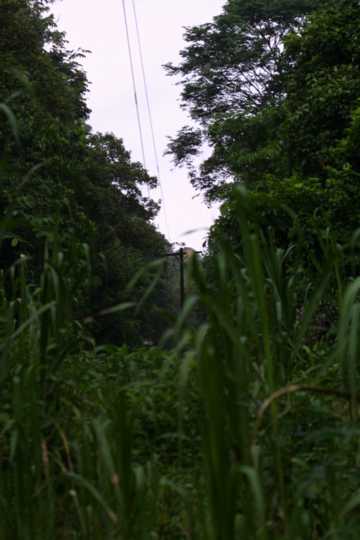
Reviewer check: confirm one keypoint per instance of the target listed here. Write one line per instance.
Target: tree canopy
(231, 72)
(284, 118)
(65, 184)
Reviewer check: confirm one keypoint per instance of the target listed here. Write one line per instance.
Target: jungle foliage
(273, 89)
(243, 421)
(63, 184)
(247, 428)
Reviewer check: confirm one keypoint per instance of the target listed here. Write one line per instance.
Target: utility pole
(182, 278)
(181, 255)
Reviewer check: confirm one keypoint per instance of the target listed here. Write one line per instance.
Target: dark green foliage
(62, 183)
(231, 71)
(248, 429)
(311, 166)
(246, 426)
(298, 144)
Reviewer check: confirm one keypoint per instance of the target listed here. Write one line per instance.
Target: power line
(141, 55)
(134, 84)
(149, 111)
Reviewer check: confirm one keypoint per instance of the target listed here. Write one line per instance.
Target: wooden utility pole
(182, 278)
(181, 254)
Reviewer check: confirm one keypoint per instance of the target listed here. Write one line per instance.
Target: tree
(314, 169)
(124, 242)
(63, 185)
(231, 72)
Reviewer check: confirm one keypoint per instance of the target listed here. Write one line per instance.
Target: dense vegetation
(241, 420)
(274, 89)
(68, 186)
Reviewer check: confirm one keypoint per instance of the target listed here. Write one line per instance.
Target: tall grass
(275, 409)
(253, 357)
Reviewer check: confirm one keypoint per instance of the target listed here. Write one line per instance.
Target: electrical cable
(134, 85)
(150, 116)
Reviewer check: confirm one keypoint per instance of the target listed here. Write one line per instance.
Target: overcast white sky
(98, 25)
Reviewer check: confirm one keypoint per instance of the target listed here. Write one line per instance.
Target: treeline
(273, 88)
(65, 188)
(248, 426)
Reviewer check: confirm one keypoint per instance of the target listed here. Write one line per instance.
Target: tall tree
(62, 183)
(314, 168)
(231, 72)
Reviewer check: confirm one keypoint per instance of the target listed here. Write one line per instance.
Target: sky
(98, 26)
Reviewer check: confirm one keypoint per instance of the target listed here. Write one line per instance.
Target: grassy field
(243, 425)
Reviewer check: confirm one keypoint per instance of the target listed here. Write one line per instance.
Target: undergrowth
(245, 427)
